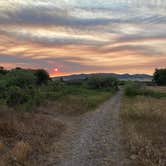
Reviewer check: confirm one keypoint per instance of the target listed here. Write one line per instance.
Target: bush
(21, 78)
(102, 82)
(25, 89)
(16, 96)
(154, 94)
(132, 89)
(77, 82)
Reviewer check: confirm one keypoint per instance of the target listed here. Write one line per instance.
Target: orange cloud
(87, 58)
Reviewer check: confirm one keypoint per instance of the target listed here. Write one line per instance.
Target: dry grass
(157, 88)
(26, 134)
(39, 129)
(144, 120)
(2, 147)
(21, 151)
(75, 105)
(71, 105)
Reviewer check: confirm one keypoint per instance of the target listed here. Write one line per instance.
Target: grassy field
(79, 100)
(144, 121)
(30, 103)
(157, 88)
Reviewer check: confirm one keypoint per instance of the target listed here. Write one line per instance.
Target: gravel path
(97, 141)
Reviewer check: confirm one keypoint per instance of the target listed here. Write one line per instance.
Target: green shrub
(21, 78)
(102, 82)
(132, 89)
(76, 82)
(154, 94)
(25, 89)
(16, 96)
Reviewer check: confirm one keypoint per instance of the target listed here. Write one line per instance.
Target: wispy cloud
(83, 36)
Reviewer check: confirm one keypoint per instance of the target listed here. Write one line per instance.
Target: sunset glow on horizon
(83, 36)
(55, 72)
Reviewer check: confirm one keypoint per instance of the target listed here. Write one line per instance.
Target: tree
(159, 76)
(42, 76)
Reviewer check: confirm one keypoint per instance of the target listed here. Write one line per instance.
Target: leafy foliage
(42, 76)
(102, 82)
(133, 89)
(21, 78)
(26, 89)
(16, 96)
(20, 86)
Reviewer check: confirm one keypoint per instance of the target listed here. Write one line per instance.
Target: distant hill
(137, 77)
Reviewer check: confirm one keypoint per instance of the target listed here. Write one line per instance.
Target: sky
(83, 36)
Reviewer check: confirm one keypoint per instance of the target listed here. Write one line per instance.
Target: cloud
(83, 36)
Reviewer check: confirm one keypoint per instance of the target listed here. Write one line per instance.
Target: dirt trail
(95, 138)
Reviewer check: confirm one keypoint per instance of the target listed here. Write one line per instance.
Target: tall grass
(79, 99)
(144, 121)
(26, 136)
(133, 89)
